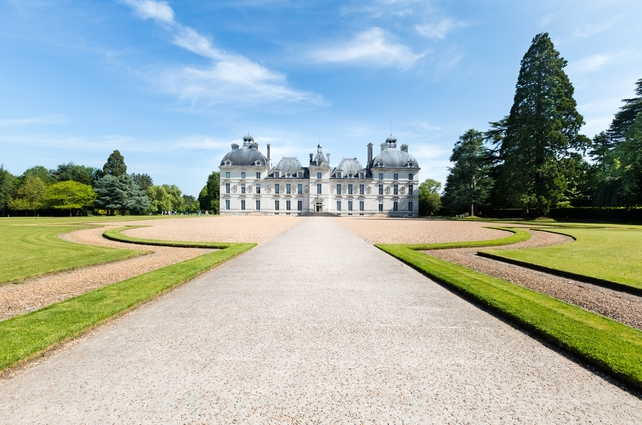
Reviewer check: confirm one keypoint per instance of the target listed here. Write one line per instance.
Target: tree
(73, 172)
(629, 153)
(429, 201)
(115, 165)
(8, 184)
(468, 183)
(191, 204)
(69, 195)
(178, 204)
(625, 117)
(209, 198)
(542, 127)
(29, 196)
(144, 181)
(41, 172)
(159, 199)
(120, 194)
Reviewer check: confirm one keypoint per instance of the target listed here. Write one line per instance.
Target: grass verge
(117, 235)
(518, 235)
(26, 336)
(612, 346)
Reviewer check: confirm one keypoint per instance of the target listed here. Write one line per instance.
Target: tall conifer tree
(542, 126)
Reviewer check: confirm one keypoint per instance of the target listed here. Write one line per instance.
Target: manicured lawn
(25, 336)
(32, 248)
(613, 255)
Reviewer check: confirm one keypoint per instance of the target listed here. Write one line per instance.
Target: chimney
(269, 160)
(369, 153)
(404, 148)
(310, 159)
(328, 155)
(234, 146)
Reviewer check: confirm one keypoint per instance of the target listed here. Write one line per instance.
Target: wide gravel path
(313, 326)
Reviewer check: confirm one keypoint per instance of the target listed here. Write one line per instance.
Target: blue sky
(172, 84)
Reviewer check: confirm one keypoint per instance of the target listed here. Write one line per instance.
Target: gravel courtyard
(313, 326)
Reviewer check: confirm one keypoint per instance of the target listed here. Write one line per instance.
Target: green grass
(610, 345)
(23, 337)
(518, 235)
(29, 250)
(117, 235)
(609, 255)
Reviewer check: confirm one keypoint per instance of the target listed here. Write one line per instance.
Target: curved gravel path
(313, 326)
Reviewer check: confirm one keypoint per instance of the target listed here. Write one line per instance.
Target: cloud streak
(438, 30)
(45, 119)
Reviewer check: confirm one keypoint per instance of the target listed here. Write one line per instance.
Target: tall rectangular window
(411, 206)
(411, 176)
(242, 204)
(277, 188)
(299, 188)
(258, 174)
(380, 189)
(299, 205)
(410, 189)
(395, 189)
(338, 205)
(242, 187)
(362, 175)
(299, 174)
(349, 205)
(242, 174)
(395, 206)
(258, 205)
(380, 206)
(319, 176)
(227, 188)
(339, 189)
(338, 174)
(276, 205)
(380, 176)
(288, 188)
(362, 189)
(288, 205)
(395, 176)
(362, 205)
(227, 174)
(258, 189)
(276, 174)
(318, 188)
(349, 189)
(227, 204)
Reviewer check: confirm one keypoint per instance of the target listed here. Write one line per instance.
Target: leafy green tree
(144, 181)
(468, 184)
(629, 153)
(159, 199)
(210, 195)
(191, 204)
(178, 204)
(8, 184)
(625, 117)
(29, 196)
(429, 200)
(120, 194)
(74, 172)
(41, 172)
(541, 129)
(115, 165)
(69, 195)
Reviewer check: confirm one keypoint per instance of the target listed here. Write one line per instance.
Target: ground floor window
(299, 205)
(411, 206)
(362, 206)
(227, 204)
(288, 204)
(242, 204)
(276, 205)
(338, 205)
(258, 205)
(381, 206)
(395, 206)
(349, 205)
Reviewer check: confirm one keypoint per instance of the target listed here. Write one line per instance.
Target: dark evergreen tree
(143, 181)
(468, 184)
(115, 165)
(120, 194)
(541, 130)
(8, 184)
(73, 172)
(625, 117)
(629, 155)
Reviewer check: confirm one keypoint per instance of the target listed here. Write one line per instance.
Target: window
(380, 189)
(299, 205)
(380, 205)
(362, 175)
(227, 188)
(277, 188)
(299, 188)
(410, 189)
(258, 174)
(396, 176)
(276, 205)
(380, 176)
(276, 174)
(411, 206)
(227, 204)
(258, 205)
(242, 187)
(318, 188)
(300, 174)
(395, 189)
(349, 205)
(227, 174)
(258, 189)
(339, 189)
(288, 205)
(411, 176)
(338, 205)
(395, 206)
(318, 176)
(338, 175)
(242, 204)
(288, 188)
(362, 189)
(349, 189)
(242, 174)
(362, 205)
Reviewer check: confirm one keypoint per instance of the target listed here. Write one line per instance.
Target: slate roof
(288, 165)
(348, 166)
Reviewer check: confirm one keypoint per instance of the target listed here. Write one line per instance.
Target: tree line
(73, 189)
(535, 159)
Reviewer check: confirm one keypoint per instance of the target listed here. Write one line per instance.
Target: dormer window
(242, 174)
(338, 175)
(228, 163)
(258, 163)
(277, 174)
(361, 175)
(349, 176)
(300, 174)
(288, 175)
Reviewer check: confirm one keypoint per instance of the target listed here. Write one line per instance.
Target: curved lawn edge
(30, 335)
(117, 235)
(612, 346)
(518, 235)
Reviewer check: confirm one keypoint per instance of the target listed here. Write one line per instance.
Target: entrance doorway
(318, 207)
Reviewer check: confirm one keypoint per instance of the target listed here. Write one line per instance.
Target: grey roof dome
(248, 154)
(391, 157)
(349, 166)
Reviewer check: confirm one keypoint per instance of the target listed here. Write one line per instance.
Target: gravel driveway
(313, 326)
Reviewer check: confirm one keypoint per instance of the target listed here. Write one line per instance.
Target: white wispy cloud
(371, 47)
(44, 119)
(230, 78)
(440, 29)
(590, 64)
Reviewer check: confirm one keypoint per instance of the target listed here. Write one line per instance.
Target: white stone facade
(386, 186)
